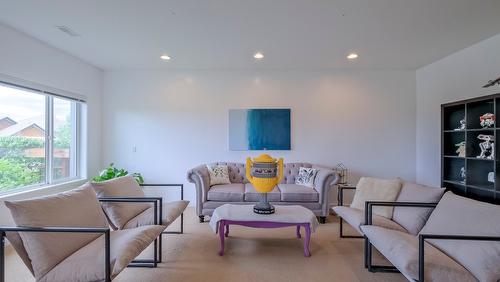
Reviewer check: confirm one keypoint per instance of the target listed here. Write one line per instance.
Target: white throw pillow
(306, 176)
(219, 174)
(373, 189)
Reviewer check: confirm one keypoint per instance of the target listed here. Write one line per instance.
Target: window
(39, 142)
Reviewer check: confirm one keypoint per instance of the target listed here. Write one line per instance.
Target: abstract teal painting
(259, 129)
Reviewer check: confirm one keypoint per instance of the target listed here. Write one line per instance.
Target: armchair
(118, 194)
(61, 238)
(457, 243)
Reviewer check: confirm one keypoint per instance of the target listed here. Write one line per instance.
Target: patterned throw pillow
(219, 174)
(306, 176)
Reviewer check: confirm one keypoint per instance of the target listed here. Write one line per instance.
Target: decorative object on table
(492, 82)
(461, 149)
(462, 125)
(463, 174)
(219, 174)
(487, 120)
(112, 172)
(306, 176)
(342, 172)
(487, 148)
(264, 172)
(491, 177)
(259, 129)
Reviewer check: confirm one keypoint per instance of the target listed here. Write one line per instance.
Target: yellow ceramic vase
(264, 172)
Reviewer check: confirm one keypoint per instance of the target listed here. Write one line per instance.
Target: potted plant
(112, 172)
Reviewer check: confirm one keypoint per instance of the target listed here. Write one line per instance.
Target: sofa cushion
(414, 218)
(219, 174)
(401, 249)
(236, 171)
(456, 215)
(373, 189)
(87, 264)
(120, 213)
(306, 176)
(297, 193)
(77, 207)
(251, 195)
(291, 171)
(356, 218)
(170, 212)
(226, 192)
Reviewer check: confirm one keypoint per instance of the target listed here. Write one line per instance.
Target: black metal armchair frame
(423, 237)
(340, 200)
(369, 221)
(181, 186)
(157, 201)
(105, 231)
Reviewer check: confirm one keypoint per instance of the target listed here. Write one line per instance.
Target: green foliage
(17, 167)
(16, 174)
(112, 172)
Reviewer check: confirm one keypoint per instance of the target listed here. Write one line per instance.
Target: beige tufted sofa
(240, 191)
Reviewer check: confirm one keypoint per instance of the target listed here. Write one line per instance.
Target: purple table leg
(307, 240)
(224, 231)
(221, 236)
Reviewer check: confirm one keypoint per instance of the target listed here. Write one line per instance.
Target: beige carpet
(251, 255)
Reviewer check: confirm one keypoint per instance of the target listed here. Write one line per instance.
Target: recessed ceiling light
(165, 57)
(258, 56)
(352, 56)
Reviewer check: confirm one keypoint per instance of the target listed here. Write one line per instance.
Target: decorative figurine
(463, 174)
(461, 149)
(462, 125)
(342, 171)
(491, 177)
(264, 173)
(487, 148)
(487, 120)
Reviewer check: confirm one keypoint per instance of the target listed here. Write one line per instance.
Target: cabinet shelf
(475, 170)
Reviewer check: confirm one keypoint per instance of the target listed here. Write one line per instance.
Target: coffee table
(243, 215)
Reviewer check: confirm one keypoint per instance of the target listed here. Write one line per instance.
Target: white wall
(456, 77)
(179, 119)
(26, 58)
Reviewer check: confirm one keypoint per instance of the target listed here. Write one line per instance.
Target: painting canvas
(259, 129)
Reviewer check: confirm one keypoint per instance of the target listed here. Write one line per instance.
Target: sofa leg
(202, 218)
(322, 219)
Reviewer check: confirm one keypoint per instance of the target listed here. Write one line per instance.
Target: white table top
(284, 214)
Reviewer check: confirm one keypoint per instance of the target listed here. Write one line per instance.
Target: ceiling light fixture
(165, 57)
(258, 56)
(352, 56)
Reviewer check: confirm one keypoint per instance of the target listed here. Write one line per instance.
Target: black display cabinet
(462, 171)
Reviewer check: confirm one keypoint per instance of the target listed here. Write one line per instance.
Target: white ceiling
(292, 34)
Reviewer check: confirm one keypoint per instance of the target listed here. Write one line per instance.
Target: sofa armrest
(423, 237)
(370, 204)
(201, 179)
(325, 179)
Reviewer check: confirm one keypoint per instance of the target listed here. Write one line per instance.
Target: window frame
(77, 157)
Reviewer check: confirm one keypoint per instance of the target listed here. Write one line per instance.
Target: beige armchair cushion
(87, 264)
(373, 189)
(170, 212)
(120, 213)
(456, 215)
(356, 218)
(401, 249)
(77, 207)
